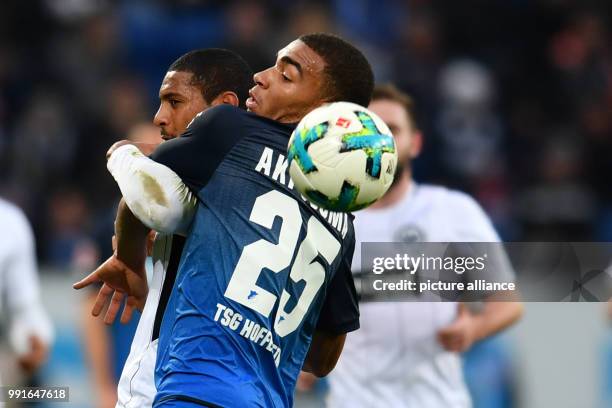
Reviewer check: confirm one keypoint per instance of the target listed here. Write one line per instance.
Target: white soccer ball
(342, 157)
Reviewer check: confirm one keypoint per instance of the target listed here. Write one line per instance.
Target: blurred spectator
(471, 137)
(374, 22)
(30, 331)
(86, 57)
(308, 18)
(558, 207)
(44, 143)
(69, 246)
(106, 350)
(98, 352)
(155, 33)
(470, 130)
(248, 23)
(531, 138)
(85, 71)
(144, 132)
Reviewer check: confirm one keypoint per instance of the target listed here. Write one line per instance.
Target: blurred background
(514, 98)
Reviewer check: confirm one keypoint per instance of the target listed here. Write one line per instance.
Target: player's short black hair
(349, 74)
(216, 70)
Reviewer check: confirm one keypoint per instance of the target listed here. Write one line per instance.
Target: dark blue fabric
(229, 158)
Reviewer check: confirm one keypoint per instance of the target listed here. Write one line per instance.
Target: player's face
(394, 115)
(180, 101)
(291, 88)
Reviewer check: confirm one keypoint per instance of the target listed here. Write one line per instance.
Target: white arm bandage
(153, 192)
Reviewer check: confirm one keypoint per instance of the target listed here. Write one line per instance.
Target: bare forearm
(131, 238)
(496, 316)
(324, 352)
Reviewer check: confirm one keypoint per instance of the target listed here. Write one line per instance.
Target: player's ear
(416, 143)
(227, 98)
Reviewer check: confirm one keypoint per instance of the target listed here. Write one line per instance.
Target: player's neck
(397, 191)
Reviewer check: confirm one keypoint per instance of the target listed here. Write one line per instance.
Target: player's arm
(153, 197)
(131, 238)
(499, 310)
(497, 316)
(97, 345)
(154, 193)
(159, 189)
(470, 327)
(324, 352)
(339, 315)
(124, 272)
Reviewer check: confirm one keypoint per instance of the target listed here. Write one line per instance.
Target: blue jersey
(260, 271)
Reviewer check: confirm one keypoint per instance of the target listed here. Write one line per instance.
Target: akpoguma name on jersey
(248, 329)
(280, 175)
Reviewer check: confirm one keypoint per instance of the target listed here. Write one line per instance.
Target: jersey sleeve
(472, 223)
(197, 153)
(475, 226)
(340, 311)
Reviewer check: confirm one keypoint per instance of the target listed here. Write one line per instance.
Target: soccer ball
(342, 157)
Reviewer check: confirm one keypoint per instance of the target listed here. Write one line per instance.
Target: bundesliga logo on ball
(342, 157)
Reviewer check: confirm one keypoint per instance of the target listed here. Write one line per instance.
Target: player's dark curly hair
(217, 70)
(350, 76)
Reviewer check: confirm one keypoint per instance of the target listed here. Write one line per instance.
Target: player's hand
(145, 148)
(460, 334)
(117, 145)
(120, 283)
(35, 357)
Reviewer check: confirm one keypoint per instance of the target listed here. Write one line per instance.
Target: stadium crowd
(515, 99)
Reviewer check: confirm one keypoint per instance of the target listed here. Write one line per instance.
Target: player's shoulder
(11, 213)
(14, 220)
(453, 200)
(464, 215)
(217, 115)
(228, 118)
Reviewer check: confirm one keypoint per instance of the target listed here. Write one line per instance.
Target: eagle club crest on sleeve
(409, 233)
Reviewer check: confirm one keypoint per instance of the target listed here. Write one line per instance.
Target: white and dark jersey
(260, 272)
(395, 360)
(137, 383)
